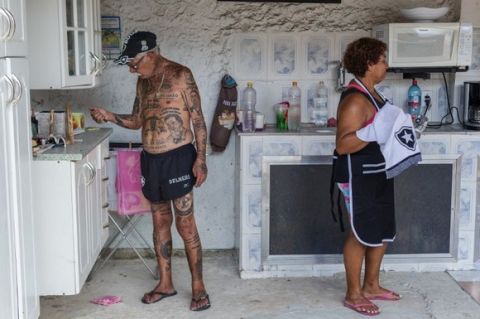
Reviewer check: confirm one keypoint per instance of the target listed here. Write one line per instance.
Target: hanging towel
(393, 130)
(224, 117)
(130, 199)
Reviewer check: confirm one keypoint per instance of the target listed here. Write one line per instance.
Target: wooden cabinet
(70, 221)
(12, 30)
(64, 43)
(18, 296)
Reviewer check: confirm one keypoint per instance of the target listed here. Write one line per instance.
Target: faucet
(340, 77)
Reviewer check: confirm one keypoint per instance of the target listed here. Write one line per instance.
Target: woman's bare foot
(361, 304)
(380, 293)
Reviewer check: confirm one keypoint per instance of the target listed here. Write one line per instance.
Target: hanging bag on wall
(224, 118)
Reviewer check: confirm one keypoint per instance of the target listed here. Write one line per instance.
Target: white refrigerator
(18, 288)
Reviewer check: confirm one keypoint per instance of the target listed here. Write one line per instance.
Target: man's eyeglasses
(136, 64)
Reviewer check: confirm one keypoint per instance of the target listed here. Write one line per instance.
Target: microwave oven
(427, 45)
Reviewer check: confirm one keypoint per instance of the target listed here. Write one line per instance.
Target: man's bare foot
(158, 293)
(200, 301)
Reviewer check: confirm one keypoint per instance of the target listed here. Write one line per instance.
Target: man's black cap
(135, 43)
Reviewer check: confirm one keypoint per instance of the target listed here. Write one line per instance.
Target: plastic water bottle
(414, 101)
(294, 110)
(320, 105)
(249, 101)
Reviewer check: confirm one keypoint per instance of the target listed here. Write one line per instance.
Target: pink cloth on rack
(130, 199)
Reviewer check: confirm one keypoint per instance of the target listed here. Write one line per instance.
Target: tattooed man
(167, 101)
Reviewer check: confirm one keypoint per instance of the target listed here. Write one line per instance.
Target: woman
(359, 172)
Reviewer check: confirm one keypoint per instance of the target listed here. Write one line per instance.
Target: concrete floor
(425, 295)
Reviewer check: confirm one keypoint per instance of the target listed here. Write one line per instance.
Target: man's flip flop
(389, 296)
(204, 307)
(154, 293)
(360, 308)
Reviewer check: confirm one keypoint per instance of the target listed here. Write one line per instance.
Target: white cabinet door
(18, 159)
(12, 30)
(84, 178)
(66, 57)
(8, 281)
(76, 31)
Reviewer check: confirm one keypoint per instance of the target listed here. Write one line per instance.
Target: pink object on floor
(130, 199)
(106, 300)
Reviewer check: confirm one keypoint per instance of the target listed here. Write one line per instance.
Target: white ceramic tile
(469, 147)
(284, 57)
(467, 205)
(251, 252)
(250, 56)
(282, 145)
(465, 246)
(317, 50)
(318, 145)
(251, 209)
(252, 152)
(434, 144)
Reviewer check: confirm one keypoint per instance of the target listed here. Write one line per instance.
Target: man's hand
(200, 171)
(100, 115)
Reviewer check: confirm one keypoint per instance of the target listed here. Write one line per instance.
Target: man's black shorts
(168, 175)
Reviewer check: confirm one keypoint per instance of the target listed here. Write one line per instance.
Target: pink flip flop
(359, 307)
(389, 296)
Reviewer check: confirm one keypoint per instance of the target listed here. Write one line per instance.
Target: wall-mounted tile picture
(250, 57)
(283, 56)
(343, 39)
(318, 55)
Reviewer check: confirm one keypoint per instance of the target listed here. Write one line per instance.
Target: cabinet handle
(12, 27)
(20, 89)
(105, 205)
(106, 158)
(11, 23)
(105, 179)
(97, 63)
(106, 225)
(11, 97)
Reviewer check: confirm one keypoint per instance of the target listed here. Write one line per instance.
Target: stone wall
(198, 33)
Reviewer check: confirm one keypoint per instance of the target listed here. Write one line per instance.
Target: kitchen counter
(85, 143)
(309, 129)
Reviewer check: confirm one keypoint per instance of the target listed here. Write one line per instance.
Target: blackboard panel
(301, 222)
(423, 201)
(300, 218)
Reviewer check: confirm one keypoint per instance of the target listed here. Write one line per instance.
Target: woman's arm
(353, 112)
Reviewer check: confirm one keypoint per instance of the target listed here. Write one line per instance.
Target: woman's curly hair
(360, 53)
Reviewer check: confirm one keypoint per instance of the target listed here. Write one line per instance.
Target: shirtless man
(167, 100)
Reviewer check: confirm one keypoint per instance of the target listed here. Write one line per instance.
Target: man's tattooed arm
(132, 121)
(191, 98)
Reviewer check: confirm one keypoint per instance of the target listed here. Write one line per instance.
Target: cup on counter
(259, 121)
(78, 120)
(239, 120)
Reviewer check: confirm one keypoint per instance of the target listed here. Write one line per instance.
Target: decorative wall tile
(282, 145)
(251, 252)
(434, 144)
(252, 152)
(470, 149)
(475, 66)
(251, 209)
(467, 205)
(318, 51)
(250, 56)
(318, 145)
(284, 58)
(465, 245)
